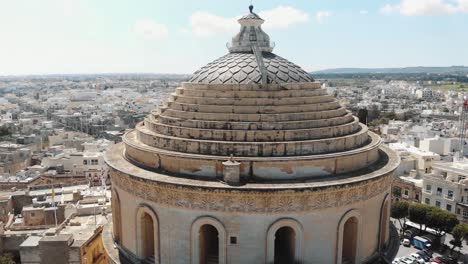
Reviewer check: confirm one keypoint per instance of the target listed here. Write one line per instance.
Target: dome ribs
(242, 68)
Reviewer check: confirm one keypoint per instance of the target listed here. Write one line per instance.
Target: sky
(180, 36)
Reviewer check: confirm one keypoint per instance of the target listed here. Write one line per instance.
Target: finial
(251, 8)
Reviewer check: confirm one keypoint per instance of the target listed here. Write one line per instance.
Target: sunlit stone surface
(250, 162)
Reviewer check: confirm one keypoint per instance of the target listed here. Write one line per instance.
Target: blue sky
(175, 36)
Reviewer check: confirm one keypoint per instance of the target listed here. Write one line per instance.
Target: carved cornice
(248, 201)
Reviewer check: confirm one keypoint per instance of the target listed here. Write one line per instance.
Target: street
(406, 251)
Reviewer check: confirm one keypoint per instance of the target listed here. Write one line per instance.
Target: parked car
(428, 252)
(423, 255)
(406, 242)
(410, 232)
(408, 260)
(418, 258)
(445, 260)
(448, 260)
(396, 261)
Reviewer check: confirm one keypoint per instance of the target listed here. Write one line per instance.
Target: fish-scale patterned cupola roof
(250, 60)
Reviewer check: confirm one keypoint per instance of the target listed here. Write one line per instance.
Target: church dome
(259, 108)
(250, 162)
(250, 60)
(242, 68)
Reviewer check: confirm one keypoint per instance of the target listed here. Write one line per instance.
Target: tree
(4, 131)
(459, 232)
(418, 213)
(440, 220)
(399, 211)
(384, 120)
(373, 113)
(390, 115)
(6, 258)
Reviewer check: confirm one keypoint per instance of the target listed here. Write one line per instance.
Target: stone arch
(147, 233)
(349, 238)
(384, 222)
(116, 217)
(288, 229)
(214, 227)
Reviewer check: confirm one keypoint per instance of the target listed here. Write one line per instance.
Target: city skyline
(75, 36)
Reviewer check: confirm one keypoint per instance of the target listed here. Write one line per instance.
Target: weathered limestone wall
(21, 200)
(6, 206)
(319, 230)
(34, 217)
(256, 149)
(30, 254)
(261, 125)
(252, 120)
(266, 168)
(152, 129)
(257, 117)
(290, 131)
(56, 249)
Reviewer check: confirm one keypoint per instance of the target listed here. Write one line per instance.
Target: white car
(406, 242)
(396, 261)
(418, 258)
(408, 260)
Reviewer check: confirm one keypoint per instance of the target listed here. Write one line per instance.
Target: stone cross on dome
(250, 35)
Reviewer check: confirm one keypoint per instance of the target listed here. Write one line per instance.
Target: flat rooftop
(32, 241)
(82, 227)
(456, 167)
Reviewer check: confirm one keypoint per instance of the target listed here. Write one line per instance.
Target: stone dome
(258, 107)
(251, 161)
(250, 60)
(242, 68)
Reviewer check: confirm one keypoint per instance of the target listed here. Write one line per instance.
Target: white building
(73, 163)
(447, 187)
(441, 146)
(423, 160)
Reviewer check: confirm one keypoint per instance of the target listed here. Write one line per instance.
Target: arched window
(348, 238)
(147, 235)
(116, 217)
(208, 244)
(350, 233)
(285, 245)
(284, 242)
(208, 241)
(384, 217)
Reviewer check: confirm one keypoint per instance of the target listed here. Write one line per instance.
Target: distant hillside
(409, 70)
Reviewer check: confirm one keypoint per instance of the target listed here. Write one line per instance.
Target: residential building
(407, 188)
(446, 187)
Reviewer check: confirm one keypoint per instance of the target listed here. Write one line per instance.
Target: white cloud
(283, 17)
(184, 31)
(150, 29)
(426, 7)
(205, 24)
(321, 16)
(463, 5)
(363, 12)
